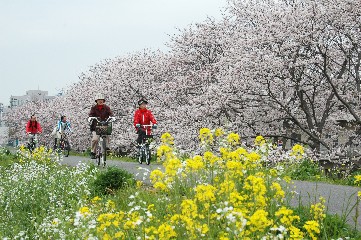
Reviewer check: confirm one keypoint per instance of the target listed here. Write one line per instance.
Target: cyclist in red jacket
(33, 126)
(143, 116)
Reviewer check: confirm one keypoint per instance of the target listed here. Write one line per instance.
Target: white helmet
(99, 96)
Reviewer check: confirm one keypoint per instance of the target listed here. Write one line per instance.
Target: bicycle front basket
(103, 129)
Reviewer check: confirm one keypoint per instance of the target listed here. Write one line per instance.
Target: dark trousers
(55, 143)
(141, 136)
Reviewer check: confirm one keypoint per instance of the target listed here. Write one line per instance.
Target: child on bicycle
(103, 112)
(143, 116)
(62, 126)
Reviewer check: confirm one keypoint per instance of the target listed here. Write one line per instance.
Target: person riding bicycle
(101, 111)
(62, 126)
(33, 127)
(143, 116)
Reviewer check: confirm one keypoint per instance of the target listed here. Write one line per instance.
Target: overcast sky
(46, 44)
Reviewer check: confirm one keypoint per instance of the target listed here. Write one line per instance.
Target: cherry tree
(271, 68)
(306, 63)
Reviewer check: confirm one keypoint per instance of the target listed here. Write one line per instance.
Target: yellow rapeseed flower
(318, 210)
(224, 152)
(241, 151)
(164, 150)
(210, 157)
(151, 207)
(259, 221)
(227, 187)
(189, 208)
(205, 193)
(253, 157)
(205, 135)
(166, 231)
(84, 211)
(139, 184)
(357, 179)
(110, 204)
(160, 185)
(286, 216)
(194, 164)
(171, 166)
(313, 229)
(156, 176)
(95, 199)
(233, 139)
(287, 179)
(235, 167)
(119, 235)
(296, 233)
(297, 151)
(259, 141)
(106, 237)
(167, 139)
(218, 132)
(279, 193)
(273, 172)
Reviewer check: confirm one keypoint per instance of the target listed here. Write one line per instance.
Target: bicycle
(32, 143)
(64, 146)
(103, 129)
(144, 154)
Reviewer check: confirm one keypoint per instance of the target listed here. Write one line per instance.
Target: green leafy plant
(305, 170)
(111, 180)
(6, 157)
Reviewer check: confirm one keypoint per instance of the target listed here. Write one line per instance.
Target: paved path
(140, 171)
(339, 199)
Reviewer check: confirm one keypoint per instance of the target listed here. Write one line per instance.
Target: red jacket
(33, 127)
(144, 117)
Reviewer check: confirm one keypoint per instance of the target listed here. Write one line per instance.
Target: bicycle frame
(64, 145)
(144, 151)
(32, 141)
(101, 148)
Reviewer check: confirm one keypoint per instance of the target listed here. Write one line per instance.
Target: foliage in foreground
(37, 188)
(111, 180)
(223, 193)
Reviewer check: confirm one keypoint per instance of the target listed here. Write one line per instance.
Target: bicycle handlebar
(110, 119)
(29, 133)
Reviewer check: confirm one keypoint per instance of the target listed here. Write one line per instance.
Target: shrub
(6, 157)
(306, 170)
(112, 179)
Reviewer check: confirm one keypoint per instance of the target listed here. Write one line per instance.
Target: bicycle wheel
(104, 157)
(147, 154)
(59, 148)
(31, 145)
(98, 155)
(66, 148)
(139, 155)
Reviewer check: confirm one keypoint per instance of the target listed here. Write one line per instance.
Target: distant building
(31, 96)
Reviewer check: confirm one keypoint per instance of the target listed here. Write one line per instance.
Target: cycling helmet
(99, 96)
(142, 101)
